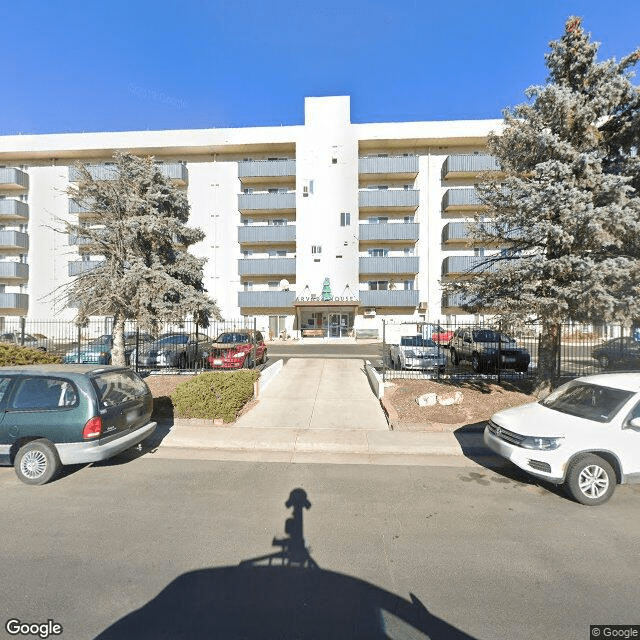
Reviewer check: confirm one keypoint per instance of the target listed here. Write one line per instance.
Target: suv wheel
(455, 360)
(37, 462)
(604, 361)
(476, 363)
(590, 480)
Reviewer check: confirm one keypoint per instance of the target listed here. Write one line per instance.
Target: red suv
(234, 350)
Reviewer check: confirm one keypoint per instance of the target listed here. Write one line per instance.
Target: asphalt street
(166, 548)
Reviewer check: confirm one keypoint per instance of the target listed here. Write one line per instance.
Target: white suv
(585, 435)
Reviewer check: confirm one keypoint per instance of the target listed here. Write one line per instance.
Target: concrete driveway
(318, 393)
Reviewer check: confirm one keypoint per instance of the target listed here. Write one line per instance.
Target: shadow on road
(280, 596)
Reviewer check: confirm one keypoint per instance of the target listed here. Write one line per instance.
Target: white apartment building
(323, 227)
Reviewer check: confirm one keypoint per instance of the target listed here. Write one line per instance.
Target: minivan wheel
(590, 480)
(37, 462)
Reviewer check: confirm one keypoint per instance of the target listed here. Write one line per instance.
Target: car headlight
(240, 354)
(540, 444)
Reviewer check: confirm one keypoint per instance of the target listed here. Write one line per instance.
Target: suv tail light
(93, 428)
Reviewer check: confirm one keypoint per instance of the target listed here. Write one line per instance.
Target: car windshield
(101, 340)
(590, 401)
(417, 341)
(175, 339)
(233, 338)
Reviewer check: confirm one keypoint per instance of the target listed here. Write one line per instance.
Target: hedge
(12, 355)
(215, 394)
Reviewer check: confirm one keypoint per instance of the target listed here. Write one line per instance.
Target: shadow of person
(280, 596)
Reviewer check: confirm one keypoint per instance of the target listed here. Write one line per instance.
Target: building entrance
(338, 325)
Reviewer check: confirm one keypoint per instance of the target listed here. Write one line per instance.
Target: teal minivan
(53, 415)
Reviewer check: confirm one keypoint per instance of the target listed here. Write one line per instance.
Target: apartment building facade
(323, 228)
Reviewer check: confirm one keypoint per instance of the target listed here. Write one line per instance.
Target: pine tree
(146, 272)
(564, 210)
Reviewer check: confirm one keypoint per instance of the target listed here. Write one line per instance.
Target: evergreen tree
(146, 272)
(565, 208)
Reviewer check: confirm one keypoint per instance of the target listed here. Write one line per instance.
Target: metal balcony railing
(14, 240)
(267, 168)
(408, 199)
(14, 179)
(78, 267)
(468, 165)
(391, 298)
(14, 270)
(14, 303)
(266, 201)
(266, 234)
(389, 165)
(266, 299)
(465, 198)
(267, 266)
(174, 171)
(391, 231)
(389, 265)
(13, 209)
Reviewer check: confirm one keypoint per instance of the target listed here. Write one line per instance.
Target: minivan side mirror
(634, 423)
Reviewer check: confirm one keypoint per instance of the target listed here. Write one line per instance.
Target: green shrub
(11, 355)
(215, 394)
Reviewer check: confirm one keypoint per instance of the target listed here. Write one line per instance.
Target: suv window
(116, 387)
(36, 394)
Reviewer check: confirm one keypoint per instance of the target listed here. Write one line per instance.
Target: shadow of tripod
(293, 552)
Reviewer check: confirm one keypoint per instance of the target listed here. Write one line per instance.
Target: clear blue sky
(113, 65)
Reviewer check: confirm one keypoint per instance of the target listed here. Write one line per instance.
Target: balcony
(468, 165)
(405, 231)
(267, 267)
(272, 171)
(389, 265)
(13, 179)
(389, 167)
(267, 202)
(465, 199)
(174, 171)
(14, 304)
(459, 266)
(454, 301)
(388, 199)
(16, 240)
(267, 234)
(459, 233)
(455, 233)
(13, 210)
(14, 271)
(266, 299)
(392, 298)
(78, 267)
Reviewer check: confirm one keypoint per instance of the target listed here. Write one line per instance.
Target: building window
(478, 251)
(248, 286)
(247, 190)
(247, 253)
(378, 253)
(409, 285)
(273, 284)
(378, 220)
(345, 219)
(378, 285)
(409, 251)
(279, 222)
(277, 253)
(316, 248)
(408, 219)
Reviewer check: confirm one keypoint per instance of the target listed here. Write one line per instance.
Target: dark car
(623, 353)
(55, 415)
(237, 349)
(98, 350)
(487, 349)
(182, 350)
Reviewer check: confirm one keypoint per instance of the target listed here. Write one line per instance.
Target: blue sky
(116, 65)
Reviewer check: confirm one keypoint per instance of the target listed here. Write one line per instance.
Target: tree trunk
(117, 353)
(548, 357)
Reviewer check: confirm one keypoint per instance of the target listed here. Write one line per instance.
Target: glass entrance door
(338, 325)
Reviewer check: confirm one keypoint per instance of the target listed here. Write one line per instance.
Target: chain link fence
(422, 350)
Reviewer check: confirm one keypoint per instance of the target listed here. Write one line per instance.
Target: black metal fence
(451, 351)
(183, 346)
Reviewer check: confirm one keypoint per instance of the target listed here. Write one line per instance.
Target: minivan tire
(37, 462)
(590, 480)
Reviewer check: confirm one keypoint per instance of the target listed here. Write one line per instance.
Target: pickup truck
(416, 352)
(487, 349)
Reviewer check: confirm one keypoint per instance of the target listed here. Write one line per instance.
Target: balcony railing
(11, 209)
(461, 199)
(392, 298)
(459, 232)
(266, 169)
(14, 240)
(396, 166)
(254, 202)
(466, 265)
(174, 171)
(14, 270)
(455, 232)
(267, 266)
(389, 265)
(78, 267)
(266, 299)
(453, 300)
(389, 199)
(468, 165)
(14, 303)
(391, 231)
(14, 179)
(266, 234)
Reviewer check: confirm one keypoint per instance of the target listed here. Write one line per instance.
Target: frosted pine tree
(140, 238)
(565, 209)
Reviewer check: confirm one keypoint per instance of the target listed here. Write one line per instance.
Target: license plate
(508, 359)
(133, 415)
(217, 361)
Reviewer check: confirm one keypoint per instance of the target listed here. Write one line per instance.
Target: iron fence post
(384, 351)
(79, 340)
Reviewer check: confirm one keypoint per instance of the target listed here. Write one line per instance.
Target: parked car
(98, 351)
(585, 435)
(176, 349)
(487, 349)
(618, 353)
(416, 352)
(56, 415)
(235, 349)
(36, 341)
(441, 335)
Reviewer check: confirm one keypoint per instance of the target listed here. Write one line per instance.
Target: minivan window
(37, 394)
(116, 387)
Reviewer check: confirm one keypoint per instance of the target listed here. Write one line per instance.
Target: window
(408, 219)
(378, 253)
(247, 190)
(378, 285)
(316, 248)
(34, 394)
(279, 222)
(248, 286)
(277, 253)
(378, 220)
(478, 251)
(345, 219)
(409, 285)
(247, 253)
(273, 284)
(409, 251)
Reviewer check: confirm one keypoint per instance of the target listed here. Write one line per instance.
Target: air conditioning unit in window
(370, 312)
